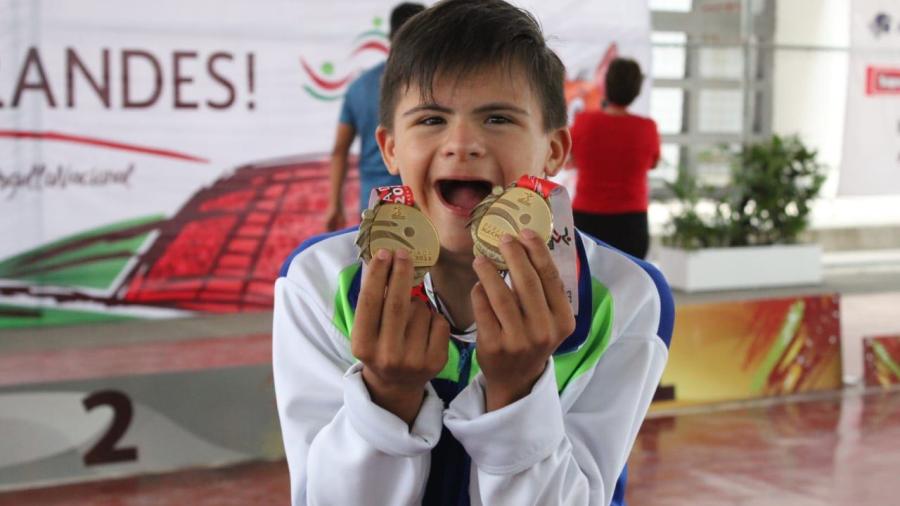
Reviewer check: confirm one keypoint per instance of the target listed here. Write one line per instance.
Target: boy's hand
(400, 341)
(518, 329)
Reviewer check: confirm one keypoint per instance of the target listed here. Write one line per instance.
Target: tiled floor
(244, 485)
(837, 450)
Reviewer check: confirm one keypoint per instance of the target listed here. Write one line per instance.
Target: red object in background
(222, 251)
(882, 81)
(613, 155)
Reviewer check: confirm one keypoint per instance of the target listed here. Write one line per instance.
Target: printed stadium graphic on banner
(323, 85)
(220, 252)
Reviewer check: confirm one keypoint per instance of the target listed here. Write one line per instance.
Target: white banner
(871, 154)
(167, 156)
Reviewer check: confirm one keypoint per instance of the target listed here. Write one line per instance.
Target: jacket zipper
(465, 366)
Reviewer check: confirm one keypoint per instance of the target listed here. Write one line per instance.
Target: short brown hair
(459, 37)
(623, 81)
(401, 14)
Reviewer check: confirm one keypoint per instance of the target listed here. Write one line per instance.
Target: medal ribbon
(398, 194)
(538, 185)
(562, 240)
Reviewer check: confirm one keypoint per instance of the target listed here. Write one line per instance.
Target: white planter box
(743, 267)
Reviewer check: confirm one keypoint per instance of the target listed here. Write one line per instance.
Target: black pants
(628, 232)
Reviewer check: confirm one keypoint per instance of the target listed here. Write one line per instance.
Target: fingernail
(527, 233)
(402, 254)
(383, 254)
(479, 260)
(507, 238)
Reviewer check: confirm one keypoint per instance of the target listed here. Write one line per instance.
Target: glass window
(668, 60)
(667, 109)
(669, 161)
(722, 63)
(721, 111)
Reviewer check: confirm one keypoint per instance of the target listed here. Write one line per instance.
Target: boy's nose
(463, 142)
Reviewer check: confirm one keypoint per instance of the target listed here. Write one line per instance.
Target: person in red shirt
(613, 150)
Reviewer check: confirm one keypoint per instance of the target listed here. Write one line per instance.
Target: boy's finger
(551, 282)
(417, 330)
(526, 283)
(502, 301)
(395, 312)
(488, 327)
(371, 300)
(438, 341)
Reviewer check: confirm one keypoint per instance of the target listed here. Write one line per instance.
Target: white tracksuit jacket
(565, 443)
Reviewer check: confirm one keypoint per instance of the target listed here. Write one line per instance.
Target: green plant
(768, 201)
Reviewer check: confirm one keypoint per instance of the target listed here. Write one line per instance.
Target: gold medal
(508, 212)
(398, 226)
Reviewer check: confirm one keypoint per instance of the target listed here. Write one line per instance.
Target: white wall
(810, 86)
(809, 97)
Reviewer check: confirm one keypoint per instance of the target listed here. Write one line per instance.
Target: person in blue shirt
(359, 115)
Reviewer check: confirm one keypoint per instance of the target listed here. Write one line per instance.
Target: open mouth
(462, 195)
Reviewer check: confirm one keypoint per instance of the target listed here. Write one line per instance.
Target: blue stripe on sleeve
(666, 302)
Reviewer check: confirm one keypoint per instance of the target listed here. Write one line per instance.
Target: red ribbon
(538, 185)
(398, 194)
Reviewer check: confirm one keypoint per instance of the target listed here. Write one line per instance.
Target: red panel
(258, 218)
(257, 287)
(265, 205)
(243, 245)
(233, 260)
(274, 191)
(225, 285)
(195, 248)
(234, 201)
(252, 231)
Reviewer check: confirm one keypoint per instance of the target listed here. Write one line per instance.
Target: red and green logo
(325, 83)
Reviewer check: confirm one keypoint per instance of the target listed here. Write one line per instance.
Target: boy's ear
(560, 146)
(385, 140)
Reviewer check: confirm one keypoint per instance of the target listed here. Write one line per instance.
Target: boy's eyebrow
(491, 107)
(500, 106)
(431, 106)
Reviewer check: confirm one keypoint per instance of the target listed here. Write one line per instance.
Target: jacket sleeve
(547, 449)
(341, 447)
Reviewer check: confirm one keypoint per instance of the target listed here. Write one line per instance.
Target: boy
(383, 401)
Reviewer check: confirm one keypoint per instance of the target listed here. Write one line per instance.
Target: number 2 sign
(105, 451)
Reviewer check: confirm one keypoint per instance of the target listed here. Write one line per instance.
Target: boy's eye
(498, 120)
(431, 120)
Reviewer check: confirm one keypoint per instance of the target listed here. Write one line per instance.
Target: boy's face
(479, 132)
